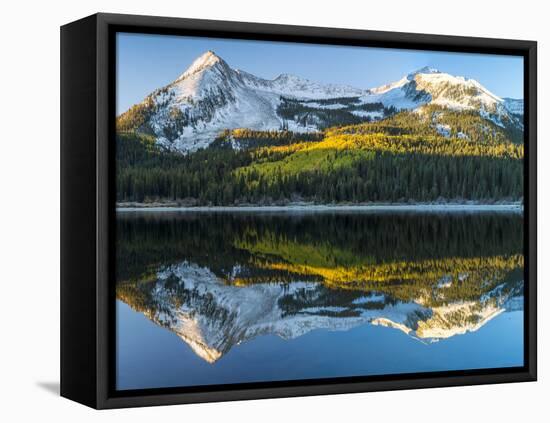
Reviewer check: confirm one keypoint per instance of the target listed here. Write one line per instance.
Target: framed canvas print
(255, 211)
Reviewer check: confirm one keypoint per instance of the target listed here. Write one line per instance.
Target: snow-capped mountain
(431, 86)
(210, 97)
(289, 85)
(402, 94)
(212, 316)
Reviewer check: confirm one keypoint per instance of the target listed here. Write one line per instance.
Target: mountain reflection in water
(219, 280)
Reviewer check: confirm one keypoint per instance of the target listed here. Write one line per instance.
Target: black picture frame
(88, 212)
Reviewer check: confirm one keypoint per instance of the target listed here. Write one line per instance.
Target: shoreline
(451, 208)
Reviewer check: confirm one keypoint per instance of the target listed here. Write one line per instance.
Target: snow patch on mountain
(443, 129)
(365, 114)
(514, 106)
(335, 106)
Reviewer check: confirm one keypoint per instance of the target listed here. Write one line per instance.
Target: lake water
(218, 298)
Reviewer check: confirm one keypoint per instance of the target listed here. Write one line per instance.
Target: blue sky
(146, 62)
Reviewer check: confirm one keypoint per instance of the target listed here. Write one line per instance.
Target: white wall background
(29, 224)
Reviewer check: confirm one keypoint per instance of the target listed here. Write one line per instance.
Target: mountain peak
(288, 77)
(423, 70)
(205, 60)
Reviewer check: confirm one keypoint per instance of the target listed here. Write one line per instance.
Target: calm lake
(216, 298)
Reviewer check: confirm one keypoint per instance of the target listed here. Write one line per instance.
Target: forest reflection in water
(221, 279)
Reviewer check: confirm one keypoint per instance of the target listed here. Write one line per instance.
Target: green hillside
(428, 155)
